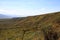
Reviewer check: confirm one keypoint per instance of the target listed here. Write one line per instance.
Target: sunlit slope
(40, 27)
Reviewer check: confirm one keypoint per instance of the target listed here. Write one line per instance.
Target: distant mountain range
(2, 16)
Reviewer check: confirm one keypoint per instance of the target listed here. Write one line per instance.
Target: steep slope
(40, 27)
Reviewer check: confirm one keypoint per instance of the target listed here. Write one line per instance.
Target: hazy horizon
(28, 7)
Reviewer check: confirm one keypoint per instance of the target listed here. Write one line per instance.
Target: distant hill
(39, 27)
(2, 16)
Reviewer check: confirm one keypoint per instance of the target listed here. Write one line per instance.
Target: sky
(28, 7)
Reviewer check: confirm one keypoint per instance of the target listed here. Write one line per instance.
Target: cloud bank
(24, 12)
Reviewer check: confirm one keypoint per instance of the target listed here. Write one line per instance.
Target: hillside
(39, 27)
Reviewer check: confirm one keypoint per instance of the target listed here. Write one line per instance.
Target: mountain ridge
(2, 16)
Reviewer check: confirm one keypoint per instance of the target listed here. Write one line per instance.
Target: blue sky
(28, 7)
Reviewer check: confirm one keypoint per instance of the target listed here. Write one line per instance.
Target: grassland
(39, 27)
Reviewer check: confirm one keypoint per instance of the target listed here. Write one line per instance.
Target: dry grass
(40, 27)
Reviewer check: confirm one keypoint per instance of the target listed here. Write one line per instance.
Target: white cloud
(23, 12)
(7, 11)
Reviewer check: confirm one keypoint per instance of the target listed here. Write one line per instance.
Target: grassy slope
(38, 27)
